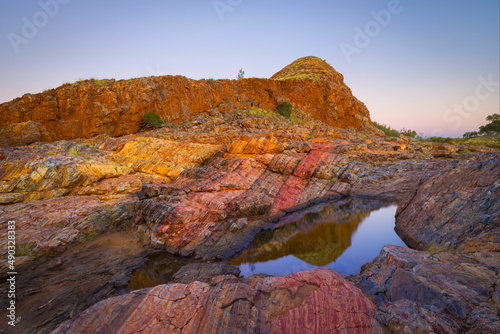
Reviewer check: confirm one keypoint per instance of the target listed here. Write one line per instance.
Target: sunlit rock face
(91, 107)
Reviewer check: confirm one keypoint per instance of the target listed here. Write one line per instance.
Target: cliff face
(91, 107)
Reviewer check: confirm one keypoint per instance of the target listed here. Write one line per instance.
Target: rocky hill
(116, 107)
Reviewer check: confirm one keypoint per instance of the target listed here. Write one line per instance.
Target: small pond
(340, 237)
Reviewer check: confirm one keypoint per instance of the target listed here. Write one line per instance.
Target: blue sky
(428, 65)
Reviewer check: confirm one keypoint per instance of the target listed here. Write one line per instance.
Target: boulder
(417, 292)
(455, 210)
(24, 133)
(228, 305)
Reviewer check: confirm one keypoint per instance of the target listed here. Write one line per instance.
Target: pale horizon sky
(431, 66)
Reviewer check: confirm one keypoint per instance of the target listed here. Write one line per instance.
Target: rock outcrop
(87, 108)
(456, 210)
(416, 292)
(228, 305)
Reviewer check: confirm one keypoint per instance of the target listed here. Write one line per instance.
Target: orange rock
(87, 108)
(263, 145)
(24, 133)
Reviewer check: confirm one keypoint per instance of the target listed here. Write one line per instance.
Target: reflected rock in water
(317, 236)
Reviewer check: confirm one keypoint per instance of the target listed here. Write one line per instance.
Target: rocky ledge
(316, 301)
(457, 210)
(419, 292)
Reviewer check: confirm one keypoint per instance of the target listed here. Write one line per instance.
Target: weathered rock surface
(457, 209)
(207, 186)
(416, 292)
(51, 226)
(91, 107)
(52, 290)
(229, 305)
(24, 133)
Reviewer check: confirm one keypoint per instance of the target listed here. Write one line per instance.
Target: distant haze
(432, 66)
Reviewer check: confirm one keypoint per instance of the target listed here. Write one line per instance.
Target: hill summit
(310, 67)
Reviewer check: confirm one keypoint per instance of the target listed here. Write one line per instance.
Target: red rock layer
(316, 301)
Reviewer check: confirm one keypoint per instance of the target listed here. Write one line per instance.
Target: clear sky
(428, 65)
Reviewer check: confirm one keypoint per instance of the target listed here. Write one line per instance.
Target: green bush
(408, 133)
(472, 134)
(152, 119)
(389, 132)
(285, 109)
(447, 140)
(491, 129)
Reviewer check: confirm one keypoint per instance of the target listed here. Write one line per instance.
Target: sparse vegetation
(90, 233)
(472, 134)
(298, 116)
(98, 82)
(446, 140)
(152, 120)
(492, 129)
(408, 133)
(285, 109)
(389, 132)
(488, 135)
(241, 74)
(259, 112)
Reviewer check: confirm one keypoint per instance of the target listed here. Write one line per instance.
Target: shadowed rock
(457, 209)
(419, 292)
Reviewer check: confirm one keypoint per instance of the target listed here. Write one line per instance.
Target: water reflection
(342, 237)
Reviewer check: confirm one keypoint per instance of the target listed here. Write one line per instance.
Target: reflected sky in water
(343, 245)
